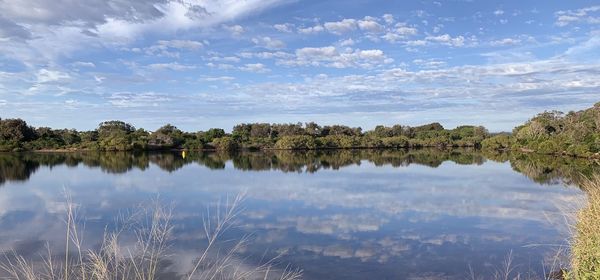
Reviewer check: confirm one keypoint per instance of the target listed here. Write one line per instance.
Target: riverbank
(585, 247)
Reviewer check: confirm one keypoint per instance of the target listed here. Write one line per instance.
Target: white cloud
(447, 40)
(181, 44)
(341, 27)
(400, 32)
(416, 43)
(221, 66)
(265, 55)
(174, 66)
(46, 76)
(255, 68)
(498, 12)
(429, 63)
(285, 27)
(219, 79)
(311, 30)
(84, 64)
(171, 48)
(369, 24)
(268, 42)
(348, 42)
(132, 100)
(329, 56)
(505, 42)
(388, 18)
(589, 15)
(225, 58)
(56, 33)
(235, 30)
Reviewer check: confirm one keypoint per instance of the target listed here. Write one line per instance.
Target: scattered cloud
(311, 30)
(132, 100)
(47, 76)
(448, 40)
(341, 27)
(268, 42)
(589, 15)
(235, 30)
(330, 57)
(218, 79)
(174, 66)
(84, 64)
(95, 48)
(369, 24)
(285, 27)
(347, 42)
(255, 68)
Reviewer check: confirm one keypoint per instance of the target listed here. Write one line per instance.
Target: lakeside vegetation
(17, 135)
(585, 247)
(554, 133)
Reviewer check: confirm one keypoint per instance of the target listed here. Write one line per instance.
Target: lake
(419, 214)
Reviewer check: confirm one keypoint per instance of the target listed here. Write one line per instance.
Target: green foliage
(167, 137)
(574, 134)
(297, 142)
(209, 135)
(15, 130)
(338, 142)
(225, 143)
(497, 142)
(395, 142)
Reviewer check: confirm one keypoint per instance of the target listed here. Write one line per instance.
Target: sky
(199, 64)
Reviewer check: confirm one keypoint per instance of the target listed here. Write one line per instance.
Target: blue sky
(199, 64)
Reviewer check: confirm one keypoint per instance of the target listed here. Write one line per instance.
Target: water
(422, 214)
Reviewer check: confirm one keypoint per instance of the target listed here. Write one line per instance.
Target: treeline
(554, 133)
(17, 135)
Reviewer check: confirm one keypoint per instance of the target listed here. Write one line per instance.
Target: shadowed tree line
(540, 168)
(554, 133)
(17, 135)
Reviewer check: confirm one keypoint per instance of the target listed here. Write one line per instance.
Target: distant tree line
(17, 135)
(555, 133)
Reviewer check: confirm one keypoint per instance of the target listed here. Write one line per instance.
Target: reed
(152, 228)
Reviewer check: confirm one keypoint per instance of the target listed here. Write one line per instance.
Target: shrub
(300, 142)
(225, 144)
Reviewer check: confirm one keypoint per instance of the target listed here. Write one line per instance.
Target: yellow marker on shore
(183, 154)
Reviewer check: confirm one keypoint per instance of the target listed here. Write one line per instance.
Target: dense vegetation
(556, 133)
(573, 134)
(17, 135)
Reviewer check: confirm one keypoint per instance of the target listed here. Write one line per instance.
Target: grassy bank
(585, 249)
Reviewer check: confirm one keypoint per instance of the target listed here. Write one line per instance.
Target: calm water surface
(336, 215)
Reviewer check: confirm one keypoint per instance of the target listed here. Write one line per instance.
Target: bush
(395, 142)
(498, 142)
(296, 143)
(225, 144)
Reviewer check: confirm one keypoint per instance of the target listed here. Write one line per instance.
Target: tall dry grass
(152, 229)
(585, 246)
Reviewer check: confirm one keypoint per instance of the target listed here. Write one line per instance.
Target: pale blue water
(356, 221)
